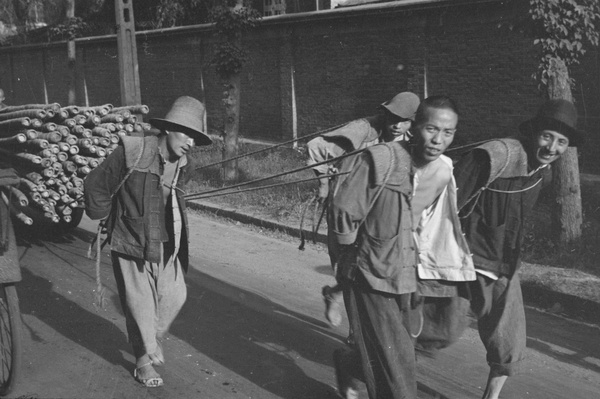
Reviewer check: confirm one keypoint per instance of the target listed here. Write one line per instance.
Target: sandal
(153, 382)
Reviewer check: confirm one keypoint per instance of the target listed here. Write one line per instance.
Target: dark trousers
(498, 305)
(381, 326)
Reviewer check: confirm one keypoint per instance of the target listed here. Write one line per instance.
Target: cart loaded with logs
(52, 148)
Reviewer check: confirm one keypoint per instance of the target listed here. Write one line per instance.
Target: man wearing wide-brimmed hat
(137, 191)
(498, 184)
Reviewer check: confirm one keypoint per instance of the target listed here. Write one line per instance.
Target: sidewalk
(543, 295)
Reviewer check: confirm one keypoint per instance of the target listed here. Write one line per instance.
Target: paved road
(252, 328)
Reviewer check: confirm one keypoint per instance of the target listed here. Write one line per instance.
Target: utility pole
(127, 52)
(71, 56)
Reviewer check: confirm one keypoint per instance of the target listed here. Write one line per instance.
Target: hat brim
(576, 137)
(387, 108)
(200, 138)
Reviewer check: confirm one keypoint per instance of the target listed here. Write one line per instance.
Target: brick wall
(344, 62)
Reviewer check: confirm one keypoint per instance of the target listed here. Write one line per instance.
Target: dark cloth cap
(558, 115)
(403, 105)
(186, 116)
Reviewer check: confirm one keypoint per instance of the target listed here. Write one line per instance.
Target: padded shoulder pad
(507, 158)
(133, 146)
(390, 159)
(355, 133)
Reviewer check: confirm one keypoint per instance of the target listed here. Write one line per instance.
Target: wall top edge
(356, 11)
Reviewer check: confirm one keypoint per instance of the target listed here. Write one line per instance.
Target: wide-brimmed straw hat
(186, 116)
(557, 115)
(403, 105)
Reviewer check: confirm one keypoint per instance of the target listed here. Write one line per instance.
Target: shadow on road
(38, 297)
(256, 338)
(568, 342)
(67, 318)
(280, 350)
(325, 270)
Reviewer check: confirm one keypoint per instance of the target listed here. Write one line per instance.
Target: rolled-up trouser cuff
(508, 369)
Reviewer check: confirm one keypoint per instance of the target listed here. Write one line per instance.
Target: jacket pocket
(383, 254)
(131, 230)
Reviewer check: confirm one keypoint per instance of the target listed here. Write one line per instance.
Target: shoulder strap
(386, 177)
(100, 290)
(130, 170)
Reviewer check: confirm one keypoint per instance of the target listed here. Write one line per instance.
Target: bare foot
(494, 385)
(333, 308)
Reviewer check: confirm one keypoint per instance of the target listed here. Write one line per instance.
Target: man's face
(548, 146)
(435, 133)
(178, 144)
(395, 127)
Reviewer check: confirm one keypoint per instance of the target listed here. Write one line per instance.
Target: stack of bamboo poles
(53, 148)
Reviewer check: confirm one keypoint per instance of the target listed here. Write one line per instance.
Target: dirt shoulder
(562, 291)
(568, 292)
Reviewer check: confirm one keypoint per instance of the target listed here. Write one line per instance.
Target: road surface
(252, 327)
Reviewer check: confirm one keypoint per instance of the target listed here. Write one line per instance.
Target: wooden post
(71, 57)
(425, 84)
(205, 119)
(294, 110)
(44, 69)
(127, 51)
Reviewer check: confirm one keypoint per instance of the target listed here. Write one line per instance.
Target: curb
(534, 295)
(249, 219)
(559, 303)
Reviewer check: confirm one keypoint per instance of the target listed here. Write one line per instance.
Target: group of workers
(414, 238)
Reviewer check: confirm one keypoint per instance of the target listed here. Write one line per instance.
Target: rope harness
(472, 201)
(99, 244)
(100, 298)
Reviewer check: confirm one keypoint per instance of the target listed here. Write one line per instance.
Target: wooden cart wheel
(10, 338)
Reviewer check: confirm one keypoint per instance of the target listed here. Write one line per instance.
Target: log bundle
(53, 148)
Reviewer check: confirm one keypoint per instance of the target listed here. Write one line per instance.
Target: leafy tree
(46, 20)
(169, 13)
(563, 29)
(232, 19)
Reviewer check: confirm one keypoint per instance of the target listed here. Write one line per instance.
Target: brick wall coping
(336, 13)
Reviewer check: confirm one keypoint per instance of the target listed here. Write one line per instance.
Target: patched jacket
(383, 234)
(136, 222)
(496, 192)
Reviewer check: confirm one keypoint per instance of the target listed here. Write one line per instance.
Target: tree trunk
(232, 126)
(567, 214)
(232, 114)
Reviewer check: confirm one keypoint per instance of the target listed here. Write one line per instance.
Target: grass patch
(284, 203)
(539, 243)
